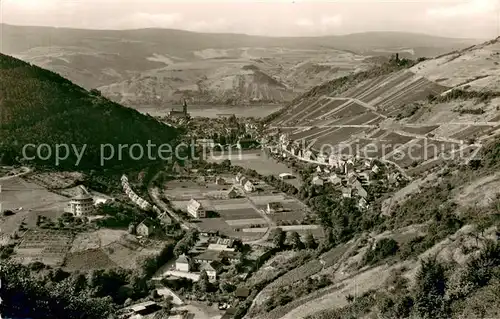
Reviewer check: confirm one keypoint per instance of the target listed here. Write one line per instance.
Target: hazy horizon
(246, 34)
(477, 19)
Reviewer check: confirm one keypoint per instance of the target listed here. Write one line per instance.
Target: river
(214, 111)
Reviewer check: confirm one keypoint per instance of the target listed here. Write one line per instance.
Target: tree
(203, 283)
(430, 291)
(310, 241)
(297, 244)
(279, 238)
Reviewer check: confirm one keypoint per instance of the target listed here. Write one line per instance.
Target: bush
(384, 248)
(8, 212)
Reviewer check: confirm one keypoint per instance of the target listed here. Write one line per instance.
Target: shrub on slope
(38, 106)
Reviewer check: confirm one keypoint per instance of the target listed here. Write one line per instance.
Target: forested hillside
(38, 106)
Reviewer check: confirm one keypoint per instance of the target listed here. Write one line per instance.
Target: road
(26, 170)
(154, 193)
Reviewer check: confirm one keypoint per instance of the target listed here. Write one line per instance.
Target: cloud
(472, 7)
(143, 20)
(304, 23)
(324, 25)
(331, 21)
(218, 25)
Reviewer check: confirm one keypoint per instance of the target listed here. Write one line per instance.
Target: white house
(182, 263)
(249, 187)
(195, 209)
(146, 228)
(375, 169)
(318, 169)
(81, 205)
(210, 269)
(317, 181)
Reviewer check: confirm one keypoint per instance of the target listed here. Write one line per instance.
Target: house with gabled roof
(249, 186)
(183, 263)
(317, 181)
(346, 192)
(146, 228)
(195, 209)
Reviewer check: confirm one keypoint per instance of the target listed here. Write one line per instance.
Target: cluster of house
(243, 181)
(209, 258)
(136, 199)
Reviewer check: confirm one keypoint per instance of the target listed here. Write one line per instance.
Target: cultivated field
(46, 246)
(243, 217)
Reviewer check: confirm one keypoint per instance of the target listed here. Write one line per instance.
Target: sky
(451, 18)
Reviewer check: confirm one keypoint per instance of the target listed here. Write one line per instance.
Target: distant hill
(158, 66)
(38, 106)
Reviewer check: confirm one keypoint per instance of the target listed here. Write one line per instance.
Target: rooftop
(182, 259)
(209, 255)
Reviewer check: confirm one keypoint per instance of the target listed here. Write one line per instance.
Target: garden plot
(286, 116)
(47, 246)
(414, 91)
(386, 85)
(264, 200)
(362, 119)
(308, 132)
(422, 130)
(88, 259)
(337, 137)
(230, 204)
(326, 108)
(397, 139)
(183, 190)
(378, 134)
(351, 109)
(361, 88)
(128, 254)
(96, 239)
(236, 215)
(473, 131)
(298, 116)
(356, 147)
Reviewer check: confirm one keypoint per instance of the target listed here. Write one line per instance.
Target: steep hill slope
(411, 114)
(441, 231)
(130, 65)
(38, 106)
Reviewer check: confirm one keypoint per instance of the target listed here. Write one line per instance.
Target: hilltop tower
(185, 108)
